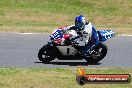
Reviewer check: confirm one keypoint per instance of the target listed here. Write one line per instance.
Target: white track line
(50, 33)
(27, 33)
(32, 33)
(124, 35)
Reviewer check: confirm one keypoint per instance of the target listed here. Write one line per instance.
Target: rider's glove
(62, 41)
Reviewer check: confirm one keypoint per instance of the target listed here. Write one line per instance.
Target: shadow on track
(71, 63)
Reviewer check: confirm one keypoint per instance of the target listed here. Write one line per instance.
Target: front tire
(46, 54)
(99, 54)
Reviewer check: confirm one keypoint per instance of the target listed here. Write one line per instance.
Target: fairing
(105, 34)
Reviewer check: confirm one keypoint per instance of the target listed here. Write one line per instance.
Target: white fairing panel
(67, 50)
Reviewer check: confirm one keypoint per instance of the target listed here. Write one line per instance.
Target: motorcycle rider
(84, 35)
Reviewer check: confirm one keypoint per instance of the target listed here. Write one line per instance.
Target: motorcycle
(68, 51)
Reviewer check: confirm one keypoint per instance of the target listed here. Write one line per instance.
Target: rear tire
(46, 54)
(101, 50)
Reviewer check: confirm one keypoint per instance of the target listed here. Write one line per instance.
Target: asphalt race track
(20, 50)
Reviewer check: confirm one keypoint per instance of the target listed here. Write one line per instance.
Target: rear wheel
(46, 54)
(99, 53)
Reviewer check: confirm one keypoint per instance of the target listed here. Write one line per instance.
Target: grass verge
(46, 15)
(54, 77)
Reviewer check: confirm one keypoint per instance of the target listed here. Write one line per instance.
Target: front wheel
(98, 54)
(46, 54)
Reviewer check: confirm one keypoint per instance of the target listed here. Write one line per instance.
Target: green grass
(50, 14)
(54, 77)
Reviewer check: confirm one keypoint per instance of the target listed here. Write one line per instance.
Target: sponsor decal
(83, 78)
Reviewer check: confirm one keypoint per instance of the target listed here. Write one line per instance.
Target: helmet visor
(79, 26)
